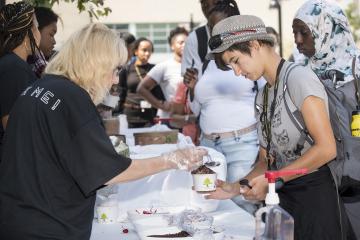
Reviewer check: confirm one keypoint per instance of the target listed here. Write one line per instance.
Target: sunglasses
(216, 40)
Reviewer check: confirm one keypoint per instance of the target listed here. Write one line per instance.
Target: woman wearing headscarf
(19, 38)
(323, 34)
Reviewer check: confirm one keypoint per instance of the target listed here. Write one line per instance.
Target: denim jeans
(240, 153)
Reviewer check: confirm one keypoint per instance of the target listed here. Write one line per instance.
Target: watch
(245, 182)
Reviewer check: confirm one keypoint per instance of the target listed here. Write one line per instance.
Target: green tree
(352, 13)
(103, 217)
(207, 182)
(95, 8)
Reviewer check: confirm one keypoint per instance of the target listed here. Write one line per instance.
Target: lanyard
(265, 118)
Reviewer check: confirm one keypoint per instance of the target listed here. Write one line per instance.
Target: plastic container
(355, 123)
(279, 224)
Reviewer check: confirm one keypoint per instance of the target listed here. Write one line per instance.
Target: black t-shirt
(128, 83)
(56, 155)
(15, 76)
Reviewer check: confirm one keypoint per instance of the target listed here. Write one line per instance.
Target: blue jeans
(240, 153)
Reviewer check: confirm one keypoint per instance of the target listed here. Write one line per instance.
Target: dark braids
(16, 21)
(229, 7)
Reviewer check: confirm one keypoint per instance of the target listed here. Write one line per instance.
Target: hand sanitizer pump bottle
(279, 224)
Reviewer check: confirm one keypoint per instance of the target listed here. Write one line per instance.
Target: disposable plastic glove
(185, 159)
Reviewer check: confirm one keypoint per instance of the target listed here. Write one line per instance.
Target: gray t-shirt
(301, 83)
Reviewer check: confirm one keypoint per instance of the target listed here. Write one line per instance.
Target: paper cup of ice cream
(204, 179)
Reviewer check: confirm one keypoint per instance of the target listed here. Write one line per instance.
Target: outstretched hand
(224, 190)
(259, 189)
(185, 159)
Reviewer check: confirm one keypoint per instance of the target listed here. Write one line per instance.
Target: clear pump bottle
(279, 224)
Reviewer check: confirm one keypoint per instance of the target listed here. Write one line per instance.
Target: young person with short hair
(241, 43)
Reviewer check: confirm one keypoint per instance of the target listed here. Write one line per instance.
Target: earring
(26, 47)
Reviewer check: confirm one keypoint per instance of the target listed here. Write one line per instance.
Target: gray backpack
(342, 101)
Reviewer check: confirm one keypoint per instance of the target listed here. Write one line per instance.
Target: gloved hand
(185, 159)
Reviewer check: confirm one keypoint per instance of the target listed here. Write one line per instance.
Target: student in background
(130, 43)
(196, 46)
(224, 104)
(47, 20)
(166, 74)
(19, 38)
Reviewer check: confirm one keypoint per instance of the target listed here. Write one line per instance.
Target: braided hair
(16, 21)
(229, 7)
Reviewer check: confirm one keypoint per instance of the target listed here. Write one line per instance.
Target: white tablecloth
(171, 188)
(238, 225)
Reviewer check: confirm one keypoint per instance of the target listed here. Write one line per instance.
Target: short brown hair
(243, 47)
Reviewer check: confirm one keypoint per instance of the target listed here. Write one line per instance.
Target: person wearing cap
(19, 38)
(241, 43)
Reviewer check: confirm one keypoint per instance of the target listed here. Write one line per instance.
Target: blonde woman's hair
(88, 58)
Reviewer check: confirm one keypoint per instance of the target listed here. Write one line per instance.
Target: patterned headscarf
(334, 45)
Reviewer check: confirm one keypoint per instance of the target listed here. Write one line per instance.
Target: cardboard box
(163, 137)
(112, 125)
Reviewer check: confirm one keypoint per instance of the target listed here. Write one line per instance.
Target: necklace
(266, 118)
(138, 72)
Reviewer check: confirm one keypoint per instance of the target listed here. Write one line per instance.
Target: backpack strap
(356, 82)
(256, 87)
(205, 65)
(296, 116)
(202, 39)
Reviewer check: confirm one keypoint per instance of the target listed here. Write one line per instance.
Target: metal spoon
(211, 163)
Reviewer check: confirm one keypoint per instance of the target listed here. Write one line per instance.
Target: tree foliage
(352, 13)
(95, 8)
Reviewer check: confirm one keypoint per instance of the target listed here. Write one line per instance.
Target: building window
(118, 28)
(157, 33)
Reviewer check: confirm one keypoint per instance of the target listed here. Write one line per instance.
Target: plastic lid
(273, 175)
(356, 112)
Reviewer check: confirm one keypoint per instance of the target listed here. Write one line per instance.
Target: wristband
(245, 182)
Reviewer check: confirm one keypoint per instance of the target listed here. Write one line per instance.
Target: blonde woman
(54, 162)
